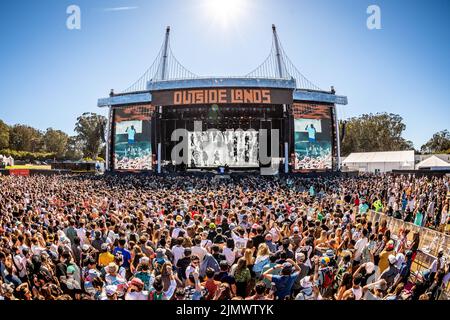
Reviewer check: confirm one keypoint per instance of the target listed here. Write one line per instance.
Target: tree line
(27, 143)
(365, 133)
(384, 132)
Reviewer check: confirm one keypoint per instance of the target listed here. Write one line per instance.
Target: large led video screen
(232, 148)
(313, 137)
(132, 138)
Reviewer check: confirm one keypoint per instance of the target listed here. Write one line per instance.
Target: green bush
(28, 156)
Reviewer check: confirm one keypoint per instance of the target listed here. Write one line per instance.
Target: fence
(430, 242)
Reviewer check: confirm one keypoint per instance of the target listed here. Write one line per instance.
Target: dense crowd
(192, 238)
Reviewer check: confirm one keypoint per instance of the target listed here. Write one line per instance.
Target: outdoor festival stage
(224, 121)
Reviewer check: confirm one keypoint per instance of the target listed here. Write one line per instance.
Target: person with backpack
(326, 274)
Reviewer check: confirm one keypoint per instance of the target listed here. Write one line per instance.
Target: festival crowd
(128, 237)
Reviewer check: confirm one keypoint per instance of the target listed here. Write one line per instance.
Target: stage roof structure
(167, 73)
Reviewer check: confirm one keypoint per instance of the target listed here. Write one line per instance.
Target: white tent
(433, 163)
(380, 161)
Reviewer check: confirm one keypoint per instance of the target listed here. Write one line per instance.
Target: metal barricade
(430, 243)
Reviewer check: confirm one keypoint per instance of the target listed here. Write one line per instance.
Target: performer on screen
(217, 157)
(205, 158)
(131, 131)
(311, 137)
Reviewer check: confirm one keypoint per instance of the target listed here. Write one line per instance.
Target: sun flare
(224, 12)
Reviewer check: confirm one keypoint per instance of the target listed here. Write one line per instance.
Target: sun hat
(92, 273)
(306, 282)
(136, 282)
(111, 290)
(329, 253)
(392, 259)
(179, 218)
(370, 267)
(70, 270)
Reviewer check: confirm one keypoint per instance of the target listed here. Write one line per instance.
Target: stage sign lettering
(222, 96)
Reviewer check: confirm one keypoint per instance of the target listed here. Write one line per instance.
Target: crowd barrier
(430, 243)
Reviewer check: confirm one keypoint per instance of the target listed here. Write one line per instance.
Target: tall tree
(90, 128)
(374, 132)
(440, 142)
(74, 150)
(25, 138)
(55, 141)
(4, 135)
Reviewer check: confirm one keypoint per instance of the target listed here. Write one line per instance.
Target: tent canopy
(389, 156)
(433, 162)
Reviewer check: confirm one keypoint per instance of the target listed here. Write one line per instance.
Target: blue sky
(49, 75)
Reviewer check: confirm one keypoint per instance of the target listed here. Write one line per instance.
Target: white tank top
(357, 293)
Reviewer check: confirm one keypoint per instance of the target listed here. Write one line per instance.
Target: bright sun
(224, 11)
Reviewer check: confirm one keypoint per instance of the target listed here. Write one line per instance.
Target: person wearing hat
(113, 277)
(369, 273)
(105, 257)
(70, 285)
(309, 290)
(383, 262)
(375, 290)
(135, 290)
(212, 231)
(285, 281)
(143, 272)
(391, 272)
(325, 275)
(110, 293)
(300, 258)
